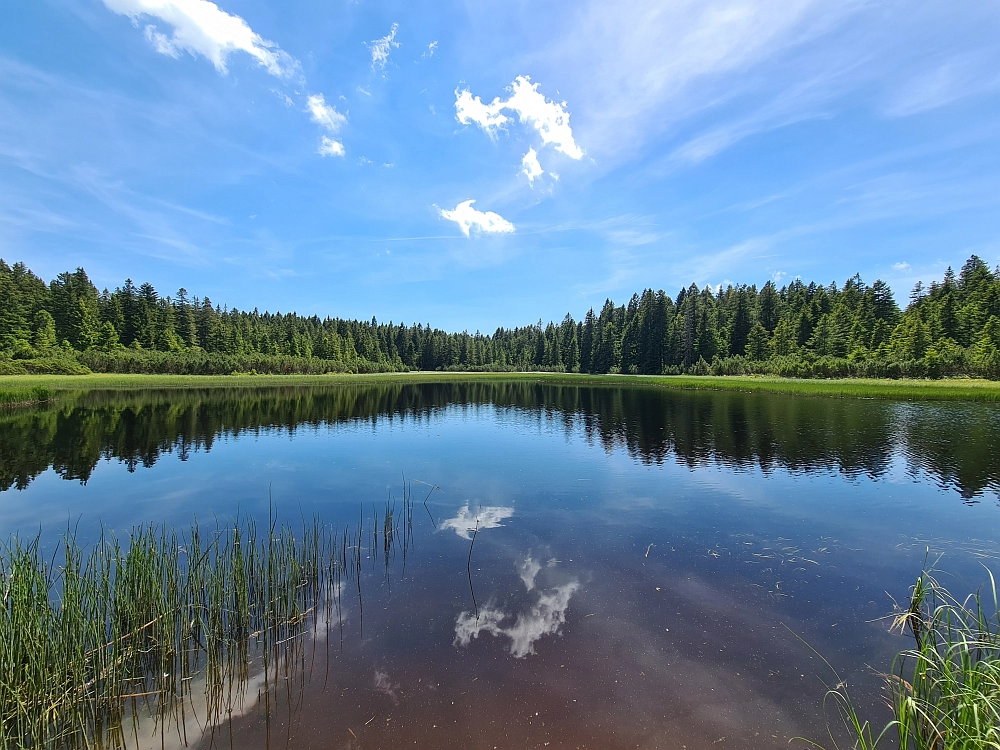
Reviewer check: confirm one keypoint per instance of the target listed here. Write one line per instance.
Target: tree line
(951, 327)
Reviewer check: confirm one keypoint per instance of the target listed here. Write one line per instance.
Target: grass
(24, 395)
(945, 691)
(958, 389)
(113, 637)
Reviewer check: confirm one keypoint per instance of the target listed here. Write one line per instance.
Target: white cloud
(901, 266)
(469, 218)
(961, 76)
(639, 69)
(549, 118)
(200, 27)
(324, 115)
(545, 617)
(488, 517)
(431, 49)
(530, 166)
(470, 109)
(380, 48)
(329, 147)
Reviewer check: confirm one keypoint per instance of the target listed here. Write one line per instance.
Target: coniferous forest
(951, 327)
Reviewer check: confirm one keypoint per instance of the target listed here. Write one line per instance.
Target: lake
(593, 567)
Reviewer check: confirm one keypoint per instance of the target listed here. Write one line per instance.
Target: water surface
(642, 557)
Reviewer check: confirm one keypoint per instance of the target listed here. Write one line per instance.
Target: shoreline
(959, 389)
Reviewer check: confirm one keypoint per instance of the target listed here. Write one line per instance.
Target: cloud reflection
(488, 517)
(545, 617)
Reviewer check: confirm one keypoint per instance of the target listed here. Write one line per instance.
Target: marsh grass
(945, 691)
(96, 642)
(951, 389)
(24, 396)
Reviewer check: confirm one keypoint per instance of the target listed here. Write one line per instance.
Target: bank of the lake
(19, 395)
(957, 389)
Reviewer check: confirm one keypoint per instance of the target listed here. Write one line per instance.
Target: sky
(484, 164)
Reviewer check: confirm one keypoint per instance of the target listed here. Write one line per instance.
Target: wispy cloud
(950, 80)
(469, 219)
(200, 27)
(323, 114)
(328, 118)
(382, 48)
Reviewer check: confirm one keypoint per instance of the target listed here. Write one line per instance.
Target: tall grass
(95, 642)
(945, 691)
(23, 396)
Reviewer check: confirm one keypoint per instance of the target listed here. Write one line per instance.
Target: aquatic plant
(945, 692)
(24, 396)
(113, 637)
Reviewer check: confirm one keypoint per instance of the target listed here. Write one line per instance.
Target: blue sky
(320, 155)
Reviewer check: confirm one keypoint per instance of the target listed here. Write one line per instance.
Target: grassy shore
(16, 395)
(904, 390)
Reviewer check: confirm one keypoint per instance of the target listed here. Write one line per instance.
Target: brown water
(644, 561)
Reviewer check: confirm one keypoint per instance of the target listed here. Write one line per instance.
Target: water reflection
(466, 523)
(544, 615)
(956, 444)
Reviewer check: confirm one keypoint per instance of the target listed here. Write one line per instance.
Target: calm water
(641, 560)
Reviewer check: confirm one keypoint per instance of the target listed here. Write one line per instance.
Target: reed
(95, 641)
(24, 396)
(945, 691)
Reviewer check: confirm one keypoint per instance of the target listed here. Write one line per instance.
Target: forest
(948, 328)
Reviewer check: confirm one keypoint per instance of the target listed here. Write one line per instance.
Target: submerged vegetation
(945, 691)
(803, 330)
(169, 633)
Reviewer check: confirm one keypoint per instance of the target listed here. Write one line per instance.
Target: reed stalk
(95, 641)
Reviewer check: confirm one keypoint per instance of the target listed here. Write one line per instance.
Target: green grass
(945, 692)
(906, 390)
(23, 395)
(148, 629)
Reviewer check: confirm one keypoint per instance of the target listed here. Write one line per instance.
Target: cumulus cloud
(381, 48)
(488, 517)
(470, 109)
(200, 27)
(544, 617)
(485, 222)
(330, 147)
(902, 266)
(431, 49)
(530, 166)
(324, 115)
(548, 117)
